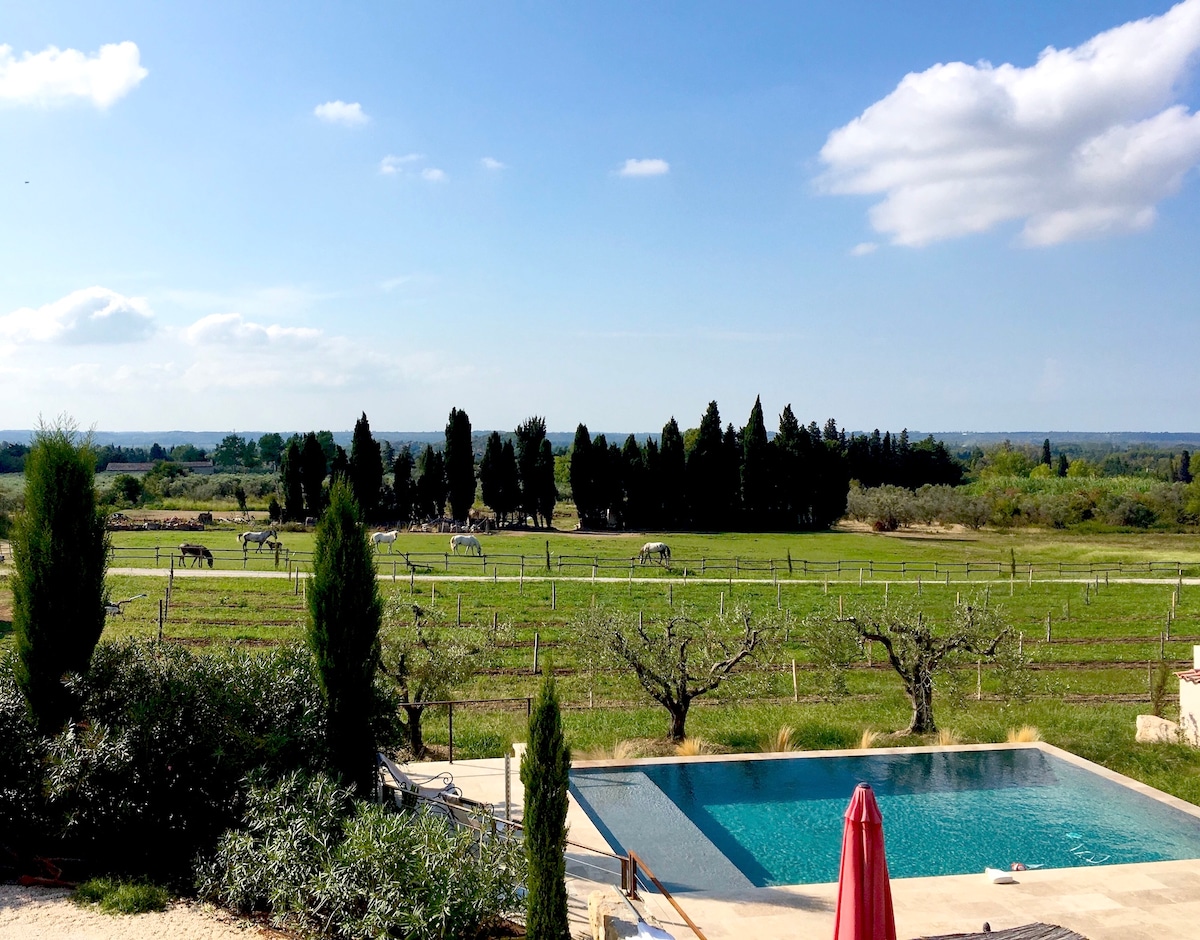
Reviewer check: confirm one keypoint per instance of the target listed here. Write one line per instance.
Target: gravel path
(49, 914)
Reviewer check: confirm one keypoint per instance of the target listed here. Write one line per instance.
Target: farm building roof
(1192, 675)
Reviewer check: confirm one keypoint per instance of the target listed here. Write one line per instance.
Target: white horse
(469, 542)
(198, 553)
(258, 538)
(384, 538)
(661, 549)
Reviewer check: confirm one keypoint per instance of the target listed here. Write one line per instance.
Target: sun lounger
(406, 788)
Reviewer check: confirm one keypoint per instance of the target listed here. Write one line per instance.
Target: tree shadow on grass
(6, 629)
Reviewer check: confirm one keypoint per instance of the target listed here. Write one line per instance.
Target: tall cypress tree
(431, 483)
(757, 483)
(707, 497)
(530, 434)
(403, 487)
(633, 467)
(460, 464)
(312, 475)
(672, 477)
(489, 473)
(344, 613)
(545, 773)
(547, 491)
(1046, 458)
(583, 477)
(510, 480)
(60, 552)
(291, 473)
(366, 469)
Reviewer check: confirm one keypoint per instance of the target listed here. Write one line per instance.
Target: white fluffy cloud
(54, 76)
(392, 165)
(232, 329)
(349, 114)
(1083, 143)
(95, 315)
(649, 167)
(491, 163)
(863, 248)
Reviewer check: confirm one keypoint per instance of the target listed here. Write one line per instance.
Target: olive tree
(677, 659)
(425, 659)
(918, 647)
(60, 552)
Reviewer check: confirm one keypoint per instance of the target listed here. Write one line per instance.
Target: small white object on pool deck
(998, 876)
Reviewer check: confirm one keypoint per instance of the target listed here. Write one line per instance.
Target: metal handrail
(630, 887)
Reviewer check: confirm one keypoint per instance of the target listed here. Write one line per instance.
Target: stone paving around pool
(1147, 901)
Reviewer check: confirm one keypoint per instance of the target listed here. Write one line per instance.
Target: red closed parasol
(864, 906)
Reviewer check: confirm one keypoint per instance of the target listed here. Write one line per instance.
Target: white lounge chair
(405, 788)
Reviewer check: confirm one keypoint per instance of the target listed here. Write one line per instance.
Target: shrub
(313, 859)
(21, 809)
(114, 896)
(153, 774)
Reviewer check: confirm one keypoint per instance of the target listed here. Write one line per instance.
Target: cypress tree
(460, 464)
(530, 434)
(431, 483)
(545, 774)
(1063, 465)
(489, 473)
(582, 477)
(339, 467)
(547, 491)
(757, 482)
(60, 552)
(633, 471)
(510, 480)
(403, 487)
(312, 475)
(291, 473)
(366, 469)
(672, 477)
(1185, 467)
(1046, 458)
(344, 613)
(705, 465)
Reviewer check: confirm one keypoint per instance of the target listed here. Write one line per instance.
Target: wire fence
(496, 565)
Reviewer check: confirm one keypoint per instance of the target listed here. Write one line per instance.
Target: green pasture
(701, 553)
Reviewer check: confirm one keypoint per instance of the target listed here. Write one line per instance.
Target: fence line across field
(716, 568)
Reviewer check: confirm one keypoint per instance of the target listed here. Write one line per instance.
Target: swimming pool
(729, 824)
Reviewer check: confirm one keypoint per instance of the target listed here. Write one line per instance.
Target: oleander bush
(314, 860)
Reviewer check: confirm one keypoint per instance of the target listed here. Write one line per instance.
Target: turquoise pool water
(728, 824)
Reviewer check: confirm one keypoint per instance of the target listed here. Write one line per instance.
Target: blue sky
(901, 214)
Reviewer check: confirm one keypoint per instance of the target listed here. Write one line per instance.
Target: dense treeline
(740, 478)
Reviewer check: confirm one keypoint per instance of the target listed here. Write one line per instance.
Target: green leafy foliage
(315, 860)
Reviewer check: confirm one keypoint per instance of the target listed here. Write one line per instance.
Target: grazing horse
(469, 542)
(384, 538)
(259, 538)
(661, 549)
(199, 553)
